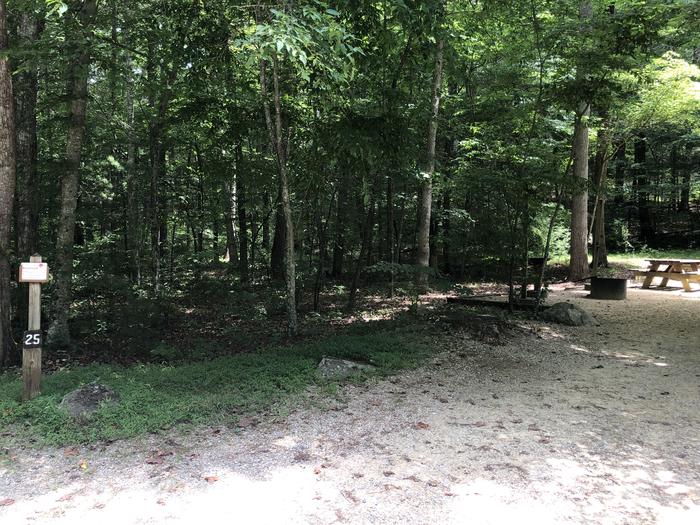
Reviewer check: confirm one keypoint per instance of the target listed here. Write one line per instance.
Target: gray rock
(82, 403)
(568, 314)
(332, 368)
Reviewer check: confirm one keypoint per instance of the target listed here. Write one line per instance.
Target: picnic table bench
(683, 270)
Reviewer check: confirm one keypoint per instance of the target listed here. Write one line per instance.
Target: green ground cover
(155, 397)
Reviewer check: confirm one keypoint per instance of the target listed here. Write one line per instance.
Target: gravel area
(591, 425)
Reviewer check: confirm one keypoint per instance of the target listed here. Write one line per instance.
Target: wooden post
(31, 352)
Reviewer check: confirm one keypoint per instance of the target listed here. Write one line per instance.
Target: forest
(157, 153)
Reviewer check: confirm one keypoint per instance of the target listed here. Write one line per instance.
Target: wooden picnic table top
(674, 261)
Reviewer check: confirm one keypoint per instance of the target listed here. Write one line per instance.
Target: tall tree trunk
(265, 219)
(159, 96)
(578, 250)
(7, 189)
(684, 199)
(78, 29)
(242, 215)
(446, 204)
(620, 168)
(646, 230)
(389, 240)
(25, 87)
(278, 242)
(600, 175)
(426, 191)
(275, 131)
(133, 239)
(340, 223)
(367, 228)
(231, 243)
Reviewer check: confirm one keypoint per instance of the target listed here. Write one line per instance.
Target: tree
(426, 193)
(25, 92)
(578, 256)
(7, 187)
(310, 40)
(79, 19)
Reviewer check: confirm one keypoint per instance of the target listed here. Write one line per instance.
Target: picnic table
(683, 270)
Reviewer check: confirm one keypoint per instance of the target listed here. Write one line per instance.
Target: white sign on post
(31, 272)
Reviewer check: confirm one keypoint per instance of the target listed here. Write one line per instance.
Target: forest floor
(546, 424)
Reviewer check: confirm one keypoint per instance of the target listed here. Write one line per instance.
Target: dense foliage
(299, 141)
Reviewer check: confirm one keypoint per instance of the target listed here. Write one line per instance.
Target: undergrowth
(156, 397)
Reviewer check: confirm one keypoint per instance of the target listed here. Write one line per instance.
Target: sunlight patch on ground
(486, 502)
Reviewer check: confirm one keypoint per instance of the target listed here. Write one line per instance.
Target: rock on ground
(82, 403)
(568, 314)
(331, 368)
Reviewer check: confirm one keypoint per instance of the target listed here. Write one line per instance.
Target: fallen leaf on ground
(161, 501)
(480, 424)
(70, 451)
(211, 479)
(6, 502)
(350, 495)
(98, 506)
(83, 464)
(421, 426)
(246, 422)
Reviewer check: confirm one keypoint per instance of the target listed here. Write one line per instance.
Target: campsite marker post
(35, 272)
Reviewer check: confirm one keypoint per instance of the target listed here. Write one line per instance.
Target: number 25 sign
(32, 339)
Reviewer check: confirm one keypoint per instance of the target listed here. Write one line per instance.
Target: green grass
(157, 397)
(638, 259)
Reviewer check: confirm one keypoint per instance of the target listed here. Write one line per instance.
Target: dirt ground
(593, 425)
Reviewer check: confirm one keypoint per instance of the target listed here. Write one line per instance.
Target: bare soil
(590, 425)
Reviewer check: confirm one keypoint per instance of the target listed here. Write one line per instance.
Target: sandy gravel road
(596, 425)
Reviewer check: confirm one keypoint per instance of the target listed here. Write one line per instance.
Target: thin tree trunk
(231, 243)
(7, 189)
(446, 204)
(322, 228)
(278, 242)
(620, 156)
(78, 28)
(600, 252)
(684, 199)
(266, 222)
(389, 245)
(158, 211)
(340, 223)
(426, 192)
(133, 242)
(364, 249)
(242, 215)
(275, 131)
(578, 250)
(645, 225)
